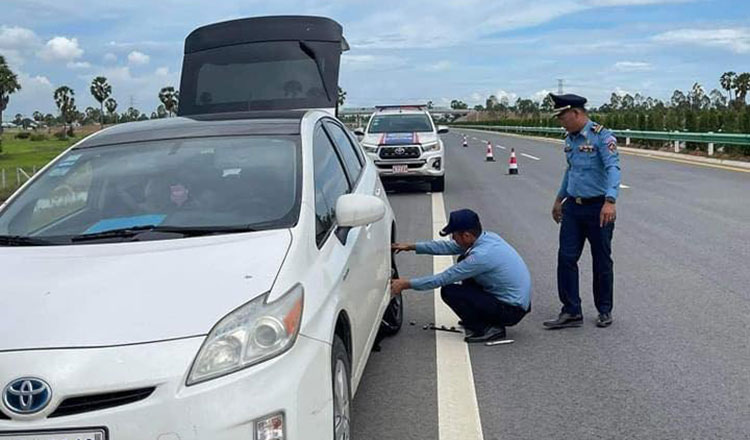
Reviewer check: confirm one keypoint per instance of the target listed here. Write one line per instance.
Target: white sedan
(222, 278)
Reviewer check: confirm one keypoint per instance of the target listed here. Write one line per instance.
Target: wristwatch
(610, 199)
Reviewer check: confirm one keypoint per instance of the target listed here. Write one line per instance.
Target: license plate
(401, 168)
(78, 434)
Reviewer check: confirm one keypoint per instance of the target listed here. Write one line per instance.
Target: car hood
(392, 139)
(127, 293)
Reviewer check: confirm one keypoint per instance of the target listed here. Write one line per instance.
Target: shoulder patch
(597, 128)
(611, 144)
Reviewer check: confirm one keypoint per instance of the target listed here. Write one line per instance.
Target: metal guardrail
(677, 137)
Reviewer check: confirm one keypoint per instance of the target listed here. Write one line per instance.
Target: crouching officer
(495, 289)
(585, 207)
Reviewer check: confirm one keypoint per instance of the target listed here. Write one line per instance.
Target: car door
(369, 258)
(335, 253)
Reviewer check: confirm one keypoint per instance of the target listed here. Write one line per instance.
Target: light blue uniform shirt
(593, 163)
(491, 262)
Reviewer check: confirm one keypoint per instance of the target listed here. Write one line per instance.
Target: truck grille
(400, 152)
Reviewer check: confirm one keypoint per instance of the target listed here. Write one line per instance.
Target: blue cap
(566, 102)
(461, 220)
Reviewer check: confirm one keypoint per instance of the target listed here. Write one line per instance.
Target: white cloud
(737, 40)
(632, 66)
(540, 95)
(15, 43)
(138, 58)
(110, 58)
(510, 96)
(622, 92)
(35, 95)
(441, 66)
(79, 65)
(162, 71)
(372, 62)
(61, 49)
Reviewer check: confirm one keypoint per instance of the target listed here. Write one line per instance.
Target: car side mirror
(442, 129)
(359, 131)
(354, 210)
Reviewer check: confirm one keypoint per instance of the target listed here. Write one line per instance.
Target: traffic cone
(512, 165)
(490, 156)
(466, 144)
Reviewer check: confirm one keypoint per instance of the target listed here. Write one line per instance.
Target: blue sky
(402, 51)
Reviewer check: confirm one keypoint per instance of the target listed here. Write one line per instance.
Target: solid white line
(530, 156)
(624, 186)
(458, 410)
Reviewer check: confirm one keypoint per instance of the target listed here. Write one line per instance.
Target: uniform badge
(611, 144)
(586, 148)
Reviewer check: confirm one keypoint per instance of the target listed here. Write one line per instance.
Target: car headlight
(253, 333)
(370, 148)
(435, 146)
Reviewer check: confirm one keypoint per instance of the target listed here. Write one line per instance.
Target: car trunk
(262, 63)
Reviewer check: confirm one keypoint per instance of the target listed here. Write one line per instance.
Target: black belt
(588, 200)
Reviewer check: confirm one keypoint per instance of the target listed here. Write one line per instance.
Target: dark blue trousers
(479, 309)
(581, 223)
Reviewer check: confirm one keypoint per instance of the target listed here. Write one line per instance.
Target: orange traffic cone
(466, 144)
(490, 156)
(512, 165)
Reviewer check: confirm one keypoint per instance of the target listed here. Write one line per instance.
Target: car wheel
(342, 396)
(393, 317)
(438, 184)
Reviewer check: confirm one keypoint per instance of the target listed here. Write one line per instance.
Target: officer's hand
(399, 247)
(608, 214)
(557, 211)
(399, 285)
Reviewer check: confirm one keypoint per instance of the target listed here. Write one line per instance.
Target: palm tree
(101, 90)
(111, 105)
(170, 98)
(8, 85)
(741, 87)
(727, 82)
(64, 98)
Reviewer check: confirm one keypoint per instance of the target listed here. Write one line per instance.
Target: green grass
(27, 154)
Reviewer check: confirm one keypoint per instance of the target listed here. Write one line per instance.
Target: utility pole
(560, 86)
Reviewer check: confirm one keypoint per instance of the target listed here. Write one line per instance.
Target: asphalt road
(676, 362)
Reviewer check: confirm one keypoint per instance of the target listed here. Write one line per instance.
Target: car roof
(219, 124)
(400, 111)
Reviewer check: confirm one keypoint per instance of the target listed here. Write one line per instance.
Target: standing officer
(585, 205)
(495, 289)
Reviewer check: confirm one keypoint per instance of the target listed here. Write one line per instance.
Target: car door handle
(346, 274)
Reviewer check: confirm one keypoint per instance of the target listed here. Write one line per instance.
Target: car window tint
(350, 156)
(330, 183)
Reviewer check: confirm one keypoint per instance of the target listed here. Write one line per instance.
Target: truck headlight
(370, 148)
(435, 146)
(253, 333)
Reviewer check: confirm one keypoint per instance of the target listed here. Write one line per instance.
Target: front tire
(342, 396)
(438, 184)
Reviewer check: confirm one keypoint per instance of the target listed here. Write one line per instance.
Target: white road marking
(624, 186)
(458, 410)
(499, 146)
(530, 156)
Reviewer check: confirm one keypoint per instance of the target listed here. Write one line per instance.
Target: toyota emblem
(27, 395)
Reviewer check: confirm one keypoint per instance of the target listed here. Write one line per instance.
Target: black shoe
(565, 320)
(489, 334)
(604, 320)
(461, 323)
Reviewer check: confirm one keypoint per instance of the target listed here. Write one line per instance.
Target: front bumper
(297, 383)
(429, 164)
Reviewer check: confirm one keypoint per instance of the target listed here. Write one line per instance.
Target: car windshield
(250, 182)
(400, 123)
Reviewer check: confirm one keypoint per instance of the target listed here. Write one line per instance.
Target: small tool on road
(443, 328)
(500, 342)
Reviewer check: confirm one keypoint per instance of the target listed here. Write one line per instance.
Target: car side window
(347, 149)
(330, 183)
